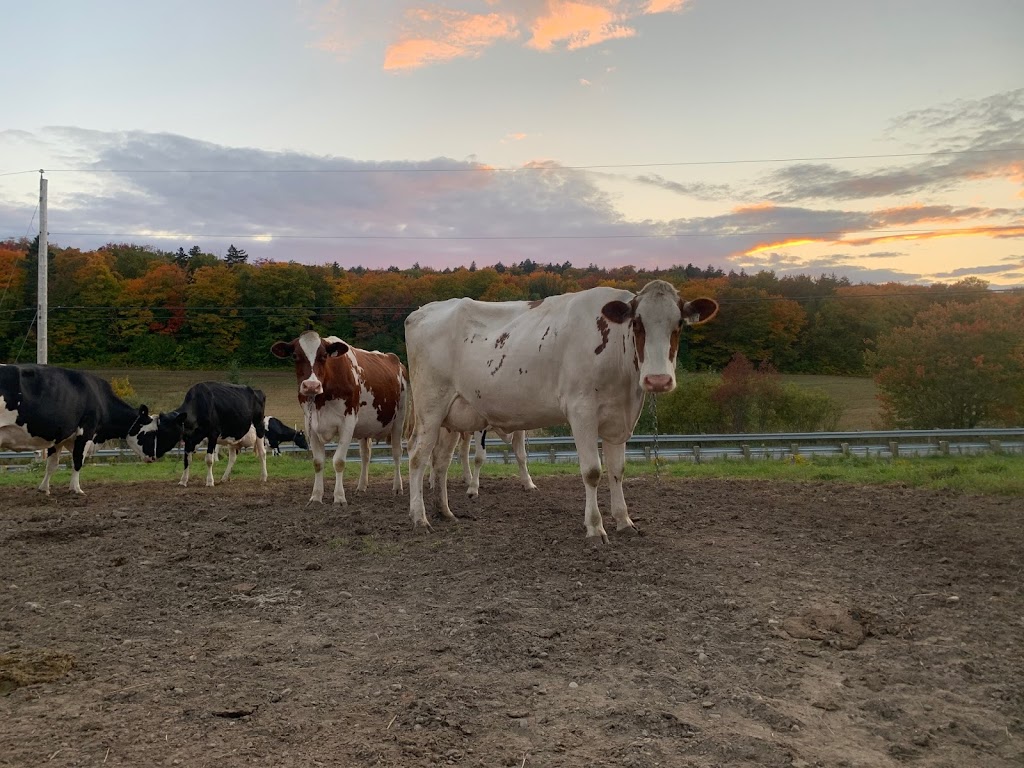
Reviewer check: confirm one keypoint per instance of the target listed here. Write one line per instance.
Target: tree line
(127, 305)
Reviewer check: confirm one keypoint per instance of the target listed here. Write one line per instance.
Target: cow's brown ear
(282, 349)
(617, 311)
(698, 311)
(337, 349)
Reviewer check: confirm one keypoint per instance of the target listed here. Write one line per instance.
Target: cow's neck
(120, 418)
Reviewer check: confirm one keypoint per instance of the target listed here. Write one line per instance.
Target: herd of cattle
(587, 359)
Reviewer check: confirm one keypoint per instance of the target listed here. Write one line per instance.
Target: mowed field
(164, 390)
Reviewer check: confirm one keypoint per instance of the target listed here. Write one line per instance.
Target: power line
(507, 169)
(631, 236)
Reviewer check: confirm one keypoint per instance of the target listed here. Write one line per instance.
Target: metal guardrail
(884, 444)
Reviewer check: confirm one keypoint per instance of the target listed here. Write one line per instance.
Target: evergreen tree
(235, 256)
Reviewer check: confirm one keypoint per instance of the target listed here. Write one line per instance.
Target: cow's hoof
(422, 525)
(597, 539)
(341, 503)
(627, 526)
(530, 487)
(472, 494)
(314, 500)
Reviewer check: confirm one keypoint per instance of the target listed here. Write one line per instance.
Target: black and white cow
(278, 432)
(225, 414)
(48, 408)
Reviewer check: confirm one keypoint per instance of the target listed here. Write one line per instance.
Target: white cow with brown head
(586, 358)
(347, 394)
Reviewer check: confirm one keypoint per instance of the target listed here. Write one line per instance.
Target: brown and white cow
(585, 358)
(347, 394)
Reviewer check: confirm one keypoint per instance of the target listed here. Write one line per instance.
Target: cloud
(990, 269)
(170, 190)
(989, 131)
(417, 35)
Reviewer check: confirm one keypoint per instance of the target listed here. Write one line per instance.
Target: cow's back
(51, 403)
(517, 363)
(228, 409)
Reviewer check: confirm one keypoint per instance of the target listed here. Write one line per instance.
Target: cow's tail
(410, 415)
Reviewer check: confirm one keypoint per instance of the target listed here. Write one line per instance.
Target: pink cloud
(447, 34)
(429, 34)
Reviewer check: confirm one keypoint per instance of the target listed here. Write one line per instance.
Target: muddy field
(748, 624)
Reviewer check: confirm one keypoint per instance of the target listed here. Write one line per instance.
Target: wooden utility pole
(41, 285)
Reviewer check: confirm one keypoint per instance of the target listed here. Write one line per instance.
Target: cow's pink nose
(311, 388)
(660, 382)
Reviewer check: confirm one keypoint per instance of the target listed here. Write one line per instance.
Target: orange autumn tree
(957, 366)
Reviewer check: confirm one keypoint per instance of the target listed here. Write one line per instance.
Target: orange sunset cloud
(437, 34)
(457, 34)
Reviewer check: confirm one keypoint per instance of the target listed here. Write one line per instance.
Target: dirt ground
(748, 624)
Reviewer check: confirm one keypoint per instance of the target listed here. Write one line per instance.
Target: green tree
(235, 256)
(957, 366)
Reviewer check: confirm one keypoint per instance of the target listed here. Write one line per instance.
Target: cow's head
(656, 316)
(132, 438)
(156, 436)
(310, 354)
(300, 441)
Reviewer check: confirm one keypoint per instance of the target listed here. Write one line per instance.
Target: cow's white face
(656, 316)
(310, 354)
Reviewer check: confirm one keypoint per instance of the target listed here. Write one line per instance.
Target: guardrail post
(794, 448)
(844, 448)
(996, 445)
(647, 453)
(696, 453)
(944, 447)
(504, 456)
(894, 448)
(746, 450)
(551, 455)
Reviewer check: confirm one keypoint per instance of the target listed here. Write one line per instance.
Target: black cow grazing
(48, 408)
(278, 432)
(228, 414)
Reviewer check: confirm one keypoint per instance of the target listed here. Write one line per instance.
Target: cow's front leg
(340, 453)
(584, 432)
(465, 443)
(421, 451)
(77, 460)
(319, 451)
(186, 460)
(615, 456)
(479, 457)
(365, 450)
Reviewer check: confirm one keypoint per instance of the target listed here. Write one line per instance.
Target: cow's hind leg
(260, 448)
(442, 458)
(396, 457)
(232, 458)
(421, 453)
(519, 448)
(211, 457)
(344, 440)
(52, 460)
(77, 460)
(319, 451)
(584, 432)
(365, 449)
(615, 456)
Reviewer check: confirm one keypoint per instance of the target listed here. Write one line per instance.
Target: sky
(876, 140)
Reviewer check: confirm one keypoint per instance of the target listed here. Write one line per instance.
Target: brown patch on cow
(602, 326)
(616, 311)
(384, 376)
(673, 345)
(500, 363)
(501, 340)
(535, 303)
(640, 334)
